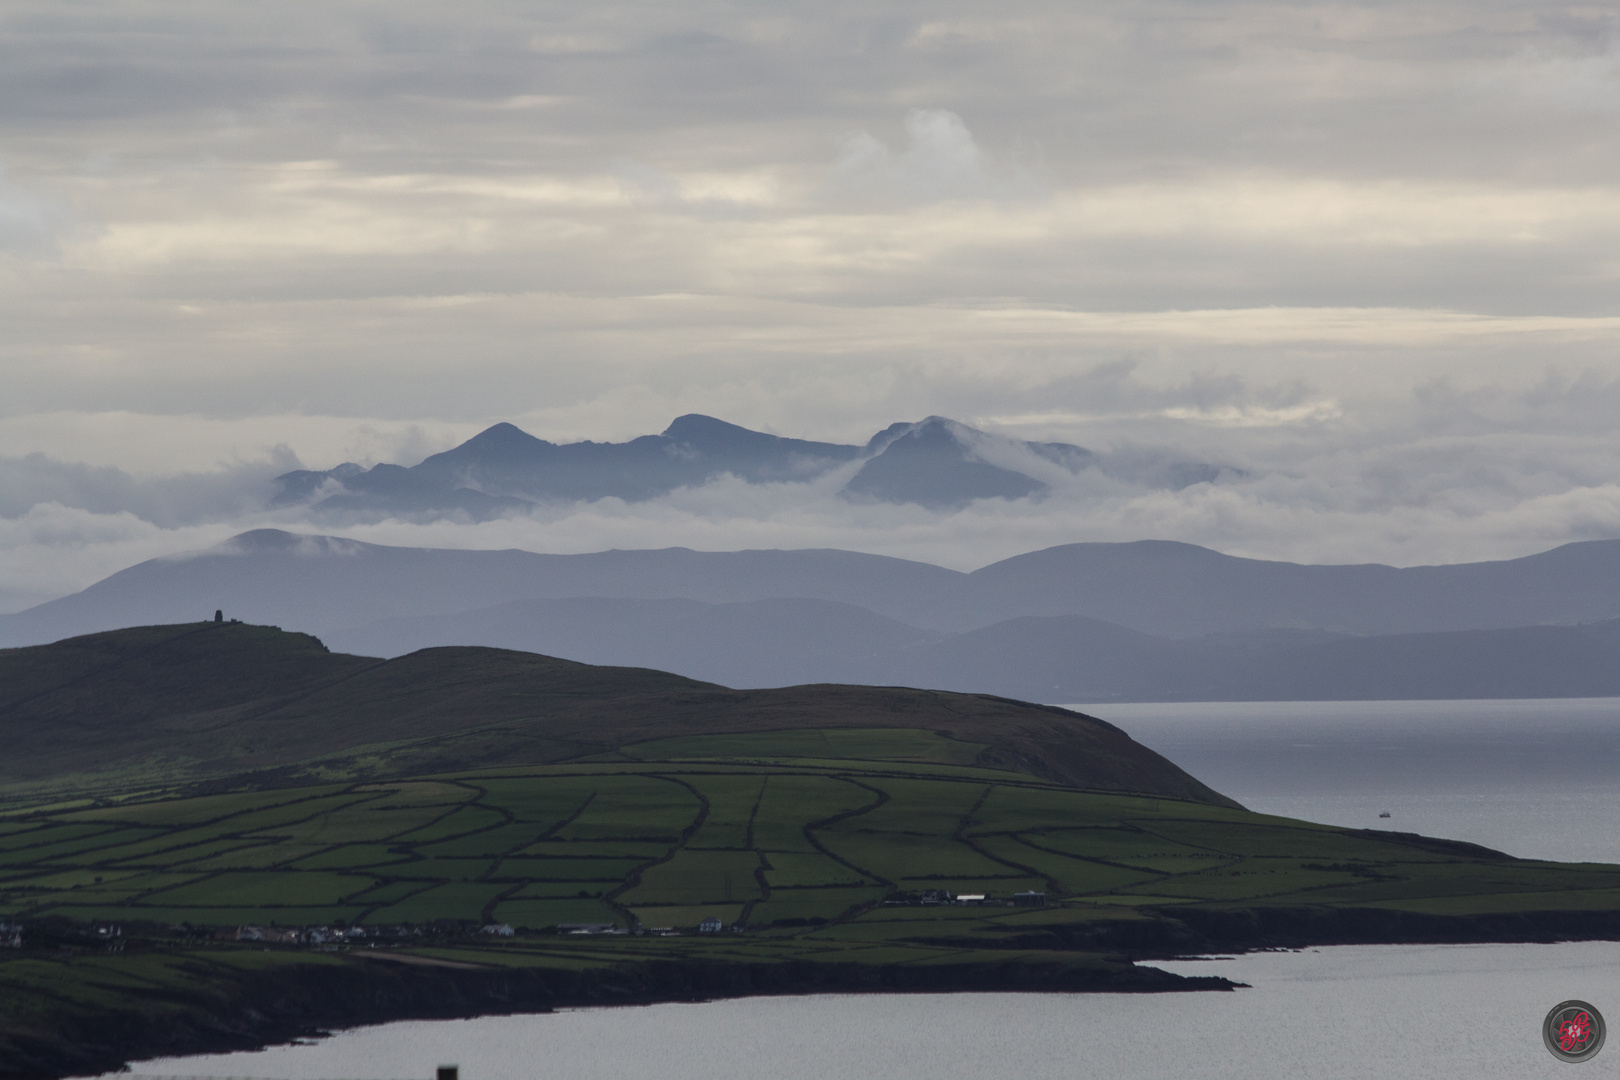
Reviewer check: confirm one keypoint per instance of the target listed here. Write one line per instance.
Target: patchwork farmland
(771, 843)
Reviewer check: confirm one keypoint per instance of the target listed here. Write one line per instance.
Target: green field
(822, 862)
(422, 798)
(757, 843)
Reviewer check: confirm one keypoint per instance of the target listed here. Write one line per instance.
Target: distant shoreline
(306, 1000)
(310, 994)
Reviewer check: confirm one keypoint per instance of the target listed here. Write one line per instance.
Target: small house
(711, 925)
(970, 899)
(1029, 899)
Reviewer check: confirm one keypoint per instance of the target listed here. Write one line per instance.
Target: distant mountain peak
(498, 440)
(935, 462)
(259, 540)
(877, 443)
(501, 430)
(1097, 621)
(271, 541)
(696, 426)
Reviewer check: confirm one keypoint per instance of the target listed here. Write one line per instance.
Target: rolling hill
(1143, 621)
(213, 700)
(218, 835)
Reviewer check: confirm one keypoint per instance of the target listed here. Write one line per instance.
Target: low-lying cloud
(173, 501)
(1445, 475)
(1361, 256)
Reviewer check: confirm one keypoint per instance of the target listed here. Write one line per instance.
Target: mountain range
(1144, 621)
(936, 462)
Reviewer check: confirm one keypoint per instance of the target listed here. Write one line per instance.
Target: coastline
(284, 995)
(300, 1000)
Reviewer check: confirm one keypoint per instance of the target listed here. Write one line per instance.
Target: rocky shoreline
(298, 1000)
(304, 1001)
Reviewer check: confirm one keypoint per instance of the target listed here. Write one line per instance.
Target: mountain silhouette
(1150, 620)
(937, 463)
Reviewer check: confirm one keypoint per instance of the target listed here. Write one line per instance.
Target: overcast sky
(1368, 253)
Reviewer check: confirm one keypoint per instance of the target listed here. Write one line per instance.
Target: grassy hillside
(169, 704)
(816, 817)
(131, 912)
(738, 827)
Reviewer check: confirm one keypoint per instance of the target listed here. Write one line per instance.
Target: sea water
(1368, 1012)
(1537, 779)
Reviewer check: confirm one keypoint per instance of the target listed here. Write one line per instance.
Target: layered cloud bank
(1327, 490)
(1360, 256)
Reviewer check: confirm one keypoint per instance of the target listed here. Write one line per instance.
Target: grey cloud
(1182, 66)
(167, 502)
(29, 225)
(1587, 402)
(589, 219)
(1207, 459)
(647, 183)
(940, 159)
(1332, 493)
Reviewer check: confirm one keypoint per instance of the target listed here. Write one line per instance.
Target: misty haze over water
(1534, 778)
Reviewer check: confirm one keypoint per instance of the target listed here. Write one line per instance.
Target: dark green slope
(410, 803)
(207, 700)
